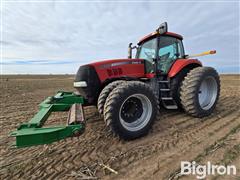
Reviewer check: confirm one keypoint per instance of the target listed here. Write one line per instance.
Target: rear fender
(181, 64)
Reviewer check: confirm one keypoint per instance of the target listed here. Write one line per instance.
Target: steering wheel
(165, 56)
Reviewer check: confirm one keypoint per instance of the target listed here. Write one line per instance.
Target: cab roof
(152, 35)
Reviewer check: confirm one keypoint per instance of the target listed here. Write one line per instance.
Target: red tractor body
(128, 92)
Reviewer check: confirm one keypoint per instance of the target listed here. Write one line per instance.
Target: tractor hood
(116, 68)
(90, 78)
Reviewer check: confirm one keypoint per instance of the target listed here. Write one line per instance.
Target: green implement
(32, 133)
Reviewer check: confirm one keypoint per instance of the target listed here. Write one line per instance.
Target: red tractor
(128, 92)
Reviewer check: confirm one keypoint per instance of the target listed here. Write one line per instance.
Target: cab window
(180, 49)
(147, 51)
(170, 49)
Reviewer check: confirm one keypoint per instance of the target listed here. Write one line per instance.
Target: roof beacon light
(163, 28)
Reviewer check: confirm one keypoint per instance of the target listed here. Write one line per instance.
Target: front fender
(182, 63)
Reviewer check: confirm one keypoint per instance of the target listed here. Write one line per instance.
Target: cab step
(167, 98)
(165, 94)
(163, 81)
(164, 89)
(171, 107)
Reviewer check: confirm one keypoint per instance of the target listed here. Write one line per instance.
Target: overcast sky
(57, 37)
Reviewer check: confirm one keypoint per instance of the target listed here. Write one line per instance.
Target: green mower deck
(32, 133)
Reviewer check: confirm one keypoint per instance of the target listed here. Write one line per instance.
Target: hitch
(32, 133)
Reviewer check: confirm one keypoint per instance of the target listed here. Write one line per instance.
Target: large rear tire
(200, 91)
(104, 94)
(130, 110)
(176, 83)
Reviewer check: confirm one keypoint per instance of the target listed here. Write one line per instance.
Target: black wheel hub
(132, 110)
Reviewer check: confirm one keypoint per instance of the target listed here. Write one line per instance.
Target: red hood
(118, 68)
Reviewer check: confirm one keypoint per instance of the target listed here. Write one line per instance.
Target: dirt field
(173, 138)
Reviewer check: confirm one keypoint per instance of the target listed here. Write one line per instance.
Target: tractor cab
(160, 50)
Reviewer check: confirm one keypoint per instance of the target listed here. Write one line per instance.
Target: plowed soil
(175, 137)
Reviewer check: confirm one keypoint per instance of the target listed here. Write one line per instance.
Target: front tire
(200, 91)
(104, 94)
(130, 110)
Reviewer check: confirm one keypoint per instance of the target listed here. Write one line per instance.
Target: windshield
(147, 50)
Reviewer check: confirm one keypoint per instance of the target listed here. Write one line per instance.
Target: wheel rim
(135, 112)
(207, 93)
